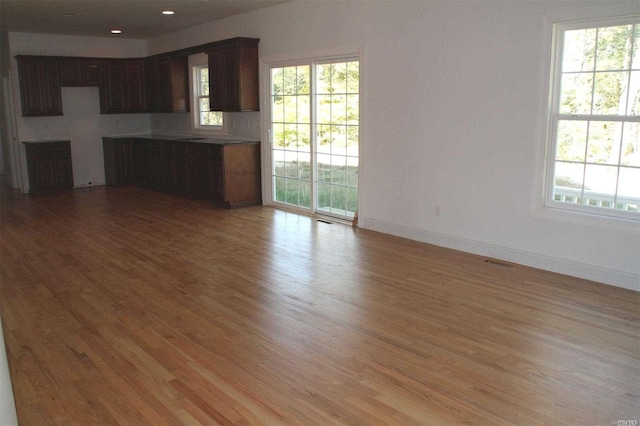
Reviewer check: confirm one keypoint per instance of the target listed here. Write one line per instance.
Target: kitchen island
(221, 169)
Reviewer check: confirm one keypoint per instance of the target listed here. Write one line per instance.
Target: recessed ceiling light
(168, 12)
(116, 31)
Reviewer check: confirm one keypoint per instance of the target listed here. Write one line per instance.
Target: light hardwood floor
(126, 306)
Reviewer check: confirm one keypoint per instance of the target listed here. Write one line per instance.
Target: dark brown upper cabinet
(112, 89)
(39, 86)
(135, 85)
(123, 88)
(155, 84)
(92, 72)
(233, 75)
(167, 80)
(80, 72)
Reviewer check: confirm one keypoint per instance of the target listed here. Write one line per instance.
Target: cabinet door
(63, 171)
(53, 94)
(216, 177)
(49, 165)
(39, 86)
(248, 75)
(92, 71)
(199, 170)
(152, 78)
(138, 161)
(134, 86)
(123, 87)
(112, 90)
(164, 86)
(45, 173)
(181, 177)
(242, 174)
(158, 81)
(31, 90)
(217, 79)
(71, 72)
(110, 156)
(168, 166)
(153, 153)
(80, 72)
(233, 76)
(125, 161)
(167, 84)
(180, 84)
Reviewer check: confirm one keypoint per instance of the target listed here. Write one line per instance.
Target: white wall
(82, 122)
(453, 115)
(8, 415)
(242, 124)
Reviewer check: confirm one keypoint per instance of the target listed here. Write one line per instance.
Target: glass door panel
(291, 135)
(337, 137)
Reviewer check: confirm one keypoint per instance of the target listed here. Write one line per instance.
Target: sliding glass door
(315, 136)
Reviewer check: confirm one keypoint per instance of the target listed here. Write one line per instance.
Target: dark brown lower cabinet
(180, 176)
(49, 165)
(216, 175)
(228, 174)
(122, 159)
(152, 164)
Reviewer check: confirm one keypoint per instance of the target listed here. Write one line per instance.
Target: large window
(203, 117)
(594, 160)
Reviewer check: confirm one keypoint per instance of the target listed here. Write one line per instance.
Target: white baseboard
(608, 276)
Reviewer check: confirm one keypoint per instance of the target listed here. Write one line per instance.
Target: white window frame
(196, 62)
(554, 117)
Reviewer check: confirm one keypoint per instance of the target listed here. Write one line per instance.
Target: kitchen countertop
(217, 140)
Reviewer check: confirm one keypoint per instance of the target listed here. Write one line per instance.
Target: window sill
(628, 225)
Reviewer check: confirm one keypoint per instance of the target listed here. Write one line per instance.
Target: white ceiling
(141, 19)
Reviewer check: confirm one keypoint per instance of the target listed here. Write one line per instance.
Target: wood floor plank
(127, 306)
